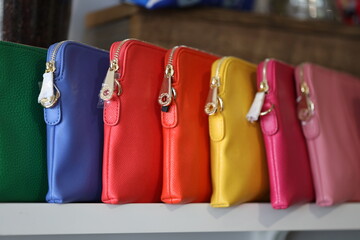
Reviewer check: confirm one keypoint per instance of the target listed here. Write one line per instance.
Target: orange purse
(186, 176)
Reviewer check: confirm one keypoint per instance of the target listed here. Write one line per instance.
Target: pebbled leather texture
(22, 131)
(238, 161)
(132, 165)
(74, 124)
(186, 130)
(288, 160)
(333, 133)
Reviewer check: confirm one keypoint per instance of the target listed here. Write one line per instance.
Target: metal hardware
(267, 111)
(165, 98)
(48, 103)
(215, 102)
(211, 107)
(114, 66)
(50, 67)
(264, 87)
(111, 78)
(306, 107)
(108, 86)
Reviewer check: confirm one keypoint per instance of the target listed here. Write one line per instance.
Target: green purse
(22, 129)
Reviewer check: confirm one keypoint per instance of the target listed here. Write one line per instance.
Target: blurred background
(326, 32)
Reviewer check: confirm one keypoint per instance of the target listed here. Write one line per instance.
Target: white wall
(79, 10)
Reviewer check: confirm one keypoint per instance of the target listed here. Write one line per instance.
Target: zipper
(167, 92)
(264, 86)
(48, 97)
(304, 104)
(214, 102)
(258, 102)
(112, 76)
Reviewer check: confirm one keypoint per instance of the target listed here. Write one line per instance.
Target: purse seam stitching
(107, 169)
(52, 166)
(219, 167)
(275, 173)
(319, 175)
(169, 164)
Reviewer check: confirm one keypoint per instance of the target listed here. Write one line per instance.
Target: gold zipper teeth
(56, 49)
(217, 72)
(117, 52)
(171, 57)
(264, 78)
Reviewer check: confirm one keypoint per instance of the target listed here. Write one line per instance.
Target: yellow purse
(238, 161)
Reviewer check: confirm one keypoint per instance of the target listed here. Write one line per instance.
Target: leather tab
(269, 122)
(311, 128)
(112, 111)
(216, 124)
(169, 119)
(52, 115)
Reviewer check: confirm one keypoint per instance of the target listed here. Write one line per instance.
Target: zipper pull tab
(47, 98)
(305, 106)
(166, 92)
(108, 86)
(213, 100)
(256, 106)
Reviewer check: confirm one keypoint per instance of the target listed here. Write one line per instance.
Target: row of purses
(177, 126)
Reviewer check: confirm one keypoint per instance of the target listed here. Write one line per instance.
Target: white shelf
(50, 219)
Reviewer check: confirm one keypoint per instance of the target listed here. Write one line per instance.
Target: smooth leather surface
(132, 168)
(238, 161)
(186, 130)
(333, 133)
(288, 160)
(22, 129)
(74, 125)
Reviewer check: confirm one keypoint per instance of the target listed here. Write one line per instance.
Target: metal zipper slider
(108, 86)
(167, 92)
(256, 106)
(305, 105)
(47, 98)
(213, 100)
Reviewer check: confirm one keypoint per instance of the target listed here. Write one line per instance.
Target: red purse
(132, 163)
(185, 126)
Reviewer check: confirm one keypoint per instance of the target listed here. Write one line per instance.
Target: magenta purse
(288, 161)
(329, 108)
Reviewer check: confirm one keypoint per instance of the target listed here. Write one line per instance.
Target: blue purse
(69, 93)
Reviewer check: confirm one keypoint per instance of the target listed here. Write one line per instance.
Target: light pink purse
(329, 108)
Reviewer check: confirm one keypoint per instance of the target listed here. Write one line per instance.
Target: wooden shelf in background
(249, 36)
